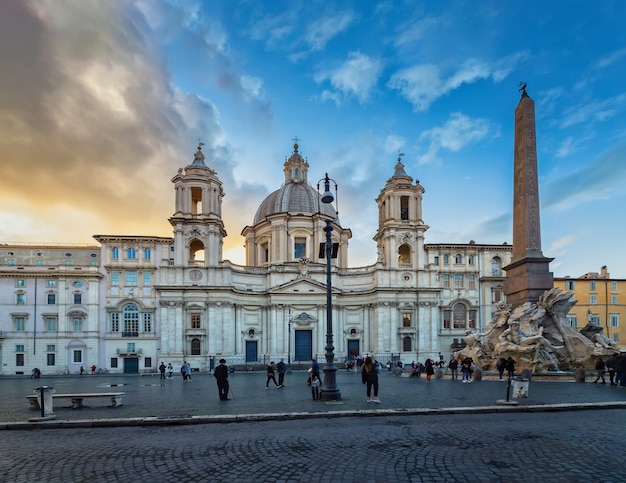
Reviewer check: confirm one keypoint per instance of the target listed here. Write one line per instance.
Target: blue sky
(102, 102)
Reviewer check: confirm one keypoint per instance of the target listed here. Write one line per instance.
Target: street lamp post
(289, 341)
(329, 390)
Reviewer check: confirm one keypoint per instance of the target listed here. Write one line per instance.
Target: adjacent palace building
(127, 303)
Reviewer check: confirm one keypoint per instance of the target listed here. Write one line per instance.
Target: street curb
(241, 418)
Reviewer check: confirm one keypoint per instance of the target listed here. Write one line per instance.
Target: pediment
(305, 286)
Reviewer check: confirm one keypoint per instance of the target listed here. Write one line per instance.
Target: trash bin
(520, 387)
(45, 393)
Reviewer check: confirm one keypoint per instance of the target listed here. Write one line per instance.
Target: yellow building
(601, 300)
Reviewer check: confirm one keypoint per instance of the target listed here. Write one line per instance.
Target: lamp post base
(329, 390)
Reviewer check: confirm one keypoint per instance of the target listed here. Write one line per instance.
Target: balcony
(129, 352)
(130, 334)
(195, 332)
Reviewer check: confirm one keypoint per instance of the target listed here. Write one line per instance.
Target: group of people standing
(615, 366)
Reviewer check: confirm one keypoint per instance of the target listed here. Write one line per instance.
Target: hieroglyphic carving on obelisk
(528, 275)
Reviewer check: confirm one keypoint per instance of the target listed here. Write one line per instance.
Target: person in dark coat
(430, 370)
(510, 366)
(369, 376)
(271, 375)
(620, 369)
(501, 366)
(282, 369)
(611, 364)
(221, 376)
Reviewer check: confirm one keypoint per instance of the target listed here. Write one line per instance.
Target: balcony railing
(130, 334)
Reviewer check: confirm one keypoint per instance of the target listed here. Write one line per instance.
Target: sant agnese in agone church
(128, 303)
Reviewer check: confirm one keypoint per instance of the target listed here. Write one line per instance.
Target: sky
(101, 102)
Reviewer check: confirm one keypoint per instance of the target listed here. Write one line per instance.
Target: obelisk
(528, 275)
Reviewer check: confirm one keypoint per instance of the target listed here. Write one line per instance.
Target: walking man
(162, 370)
(281, 367)
(221, 376)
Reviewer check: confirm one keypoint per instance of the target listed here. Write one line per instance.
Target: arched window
(131, 253)
(196, 252)
(131, 321)
(496, 267)
(115, 253)
(459, 316)
(406, 344)
(195, 347)
(458, 259)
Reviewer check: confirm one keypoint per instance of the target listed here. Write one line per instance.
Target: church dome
(296, 195)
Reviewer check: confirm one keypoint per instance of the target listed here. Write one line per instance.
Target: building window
(406, 320)
(458, 281)
(51, 324)
(147, 279)
(130, 347)
(404, 207)
(195, 347)
(614, 299)
(446, 319)
(147, 322)
(496, 267)
(471, 281)
(470, 259)
(614, 286)
(406, 344)
(299, 248)
(472, 319)
(39, 262)
(195, 321)
(458, 259)
(131, 321)
(570, 285)
(115, 278)
(50, 359)
(20, 299)
(265, 252)
(19, 348)
(404, 254)
(445, 259)
(115, 253)
(148, 362)
(593, 299)
(114, 322)
(131, 253)
(77, 324)
(51, 348)
(20, 282)
(459, 316)
(113, 362)
(52, 298)
(436, 262)
(68, 263)
(131, 278)
(52, 283)
(20, 324)
(614, 320)
(146, 254)
(77, 356)
(592, 285)
(19, 360)
(446, 280)
(78, 298)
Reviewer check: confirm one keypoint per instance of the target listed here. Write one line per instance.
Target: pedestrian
(315, 369)
(270, 375)
(162, 370)
(453, 365)
(221, 376)
(610, 364)
(501, 366)
(430, 370)
(93, 369)
(315, 387)
(601, 369)
(281, 367)
(369, 376)
(620, 369)
(82, 370)
(466, 369)
(184, 371)
(170, 370)
(510, 366)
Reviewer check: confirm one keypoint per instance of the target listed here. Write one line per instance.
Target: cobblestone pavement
(149, 397)
(508, 447)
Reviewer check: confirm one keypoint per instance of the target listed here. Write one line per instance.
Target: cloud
(593, 111)
(603, 178)
(356, 77)
(610, 59)
(456, 133)
(423, 84)
(322, 30)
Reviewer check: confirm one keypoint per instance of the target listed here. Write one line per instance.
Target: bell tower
(400, 235)
(198, 227)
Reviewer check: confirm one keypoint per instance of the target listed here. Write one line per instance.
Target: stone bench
(77, 399)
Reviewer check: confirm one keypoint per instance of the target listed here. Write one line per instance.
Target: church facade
(127, 303)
